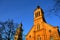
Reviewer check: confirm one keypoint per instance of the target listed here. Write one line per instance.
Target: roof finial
(38, 6)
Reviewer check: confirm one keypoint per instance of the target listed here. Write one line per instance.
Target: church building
(40, 29)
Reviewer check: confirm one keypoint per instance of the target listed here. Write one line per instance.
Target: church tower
(39, 15)
(41, 30)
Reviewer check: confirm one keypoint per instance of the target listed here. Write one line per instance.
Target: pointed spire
(20, 24)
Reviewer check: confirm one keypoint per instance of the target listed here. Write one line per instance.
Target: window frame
(38, 27)
(37, 14)
(51, 38)
(39, 38)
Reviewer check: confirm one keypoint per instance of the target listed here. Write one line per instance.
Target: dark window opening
(30, 36)
(38, 27)
(37, 14)
(50, 31)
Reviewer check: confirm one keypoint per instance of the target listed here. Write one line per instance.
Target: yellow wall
(46, 30)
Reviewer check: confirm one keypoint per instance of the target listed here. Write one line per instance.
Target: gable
(31, 31)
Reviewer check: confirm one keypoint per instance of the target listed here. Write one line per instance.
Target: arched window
(38, 27)
(37, 14)
(39, 38)
(30, 36)
(50, 31)
(51, 38)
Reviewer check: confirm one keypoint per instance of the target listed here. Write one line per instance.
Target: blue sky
(23, 10)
